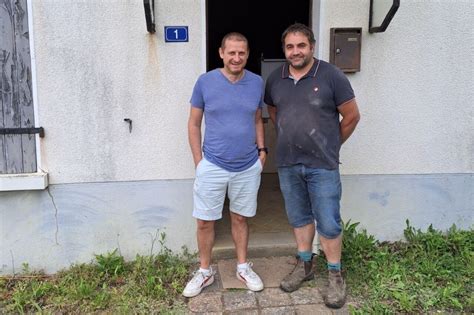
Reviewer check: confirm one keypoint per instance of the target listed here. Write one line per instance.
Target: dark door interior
(261, 21)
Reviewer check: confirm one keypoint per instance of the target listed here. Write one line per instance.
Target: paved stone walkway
(306, 300)
(217, 300)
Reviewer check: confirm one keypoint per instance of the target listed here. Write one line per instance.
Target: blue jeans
(312, 194)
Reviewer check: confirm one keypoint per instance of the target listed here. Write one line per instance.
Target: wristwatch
(264, 149)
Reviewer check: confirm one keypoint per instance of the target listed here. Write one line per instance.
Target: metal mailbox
(345, 47)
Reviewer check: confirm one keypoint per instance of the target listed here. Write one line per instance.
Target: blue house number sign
(176, 34)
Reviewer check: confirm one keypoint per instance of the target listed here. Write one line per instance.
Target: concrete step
(260, 245)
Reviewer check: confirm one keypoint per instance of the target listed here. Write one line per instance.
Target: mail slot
(345, 48)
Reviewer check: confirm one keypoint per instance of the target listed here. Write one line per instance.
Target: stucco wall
(96, 65)
(69, 223)
(414, 88)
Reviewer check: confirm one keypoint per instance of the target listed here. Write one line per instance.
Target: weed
(149, 284)
(110, 264)
(430, 271)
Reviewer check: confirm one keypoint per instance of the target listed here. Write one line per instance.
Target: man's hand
(262, 156)
(197, 163)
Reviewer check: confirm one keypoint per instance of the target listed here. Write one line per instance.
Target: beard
(301, 63)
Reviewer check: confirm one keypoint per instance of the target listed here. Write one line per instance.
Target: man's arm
(260, 134)
(194, 133)
(350, 117)
(272, 111)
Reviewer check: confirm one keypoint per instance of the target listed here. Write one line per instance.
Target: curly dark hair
(299, 28)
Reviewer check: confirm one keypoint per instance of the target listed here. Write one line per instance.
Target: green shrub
(430, 271)
(148, 284)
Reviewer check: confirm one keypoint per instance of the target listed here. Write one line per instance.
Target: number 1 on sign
(174, 33)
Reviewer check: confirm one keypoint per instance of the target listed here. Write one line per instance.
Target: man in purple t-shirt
(307, 96)
(231, 158)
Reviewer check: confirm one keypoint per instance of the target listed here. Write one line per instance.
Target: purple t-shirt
(229, 113)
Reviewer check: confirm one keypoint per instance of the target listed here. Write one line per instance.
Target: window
(17, 121)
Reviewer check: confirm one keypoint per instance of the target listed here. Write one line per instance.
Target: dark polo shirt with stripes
(307, 121)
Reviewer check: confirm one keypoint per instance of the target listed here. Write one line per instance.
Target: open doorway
(262, 22)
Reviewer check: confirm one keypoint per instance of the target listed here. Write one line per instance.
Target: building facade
(114, 166)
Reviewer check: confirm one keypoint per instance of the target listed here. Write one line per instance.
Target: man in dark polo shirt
(306, 97)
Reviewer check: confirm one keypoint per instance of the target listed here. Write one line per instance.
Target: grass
(432, 271)
(149, 284)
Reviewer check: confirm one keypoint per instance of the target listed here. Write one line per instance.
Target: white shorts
(210, 188)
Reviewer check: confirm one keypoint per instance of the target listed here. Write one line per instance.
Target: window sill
(27, 181)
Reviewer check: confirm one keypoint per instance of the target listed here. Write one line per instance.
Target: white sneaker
(198, 282)
(250, 278)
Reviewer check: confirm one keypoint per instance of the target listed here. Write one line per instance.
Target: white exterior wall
(96, 65)
(415, 88)
(69, 223)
